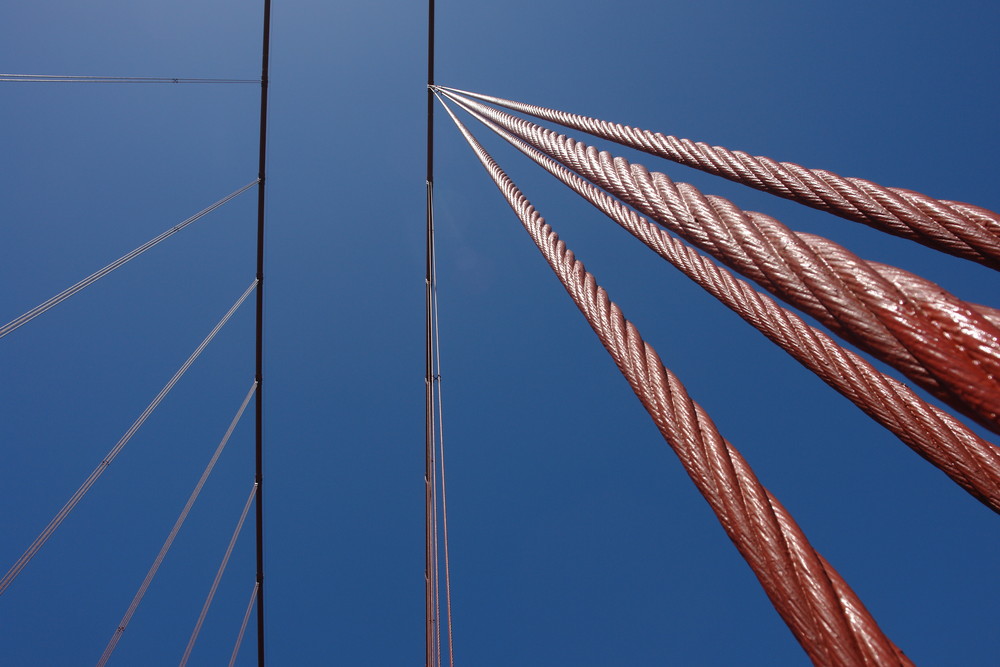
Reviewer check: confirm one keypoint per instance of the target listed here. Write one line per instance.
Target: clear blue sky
(576, 537)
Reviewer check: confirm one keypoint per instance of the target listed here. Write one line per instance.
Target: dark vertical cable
(429, 375)
(259, 354)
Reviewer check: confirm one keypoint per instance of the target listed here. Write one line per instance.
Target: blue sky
(576, 536)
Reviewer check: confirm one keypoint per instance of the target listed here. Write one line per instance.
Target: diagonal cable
(970, 461)
(218, 577)
(821, 610)
(243, 626)
(124, 259)
(116, 637)
(957, 228)
(94, 476)
(946, 345)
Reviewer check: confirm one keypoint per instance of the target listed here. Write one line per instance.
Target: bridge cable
(94, 277)
(822, 611)
(120, 630)
(967, 459)
(218, 577)
(948, 346)
(76, 78)
(430, 503)
(243, 627)
(90, 481)
(444, 494)
(956, 228)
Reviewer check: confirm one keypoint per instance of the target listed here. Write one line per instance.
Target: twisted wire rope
(957, 228)
(822, 611)
(967, 459)
(936, 339)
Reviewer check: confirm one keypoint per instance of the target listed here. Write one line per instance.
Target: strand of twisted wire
(957, 228)
(943, 343)
(824, 614)
(967, 459)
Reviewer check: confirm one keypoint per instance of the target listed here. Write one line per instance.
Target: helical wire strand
(948, 346)
(824, 614)
(957, 228)
(970, 461)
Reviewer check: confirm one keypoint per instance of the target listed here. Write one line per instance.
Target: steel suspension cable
(967, 459)
(430, 505)
(819, 607)
(124, 259)
(953, 227)
(218, 577)
(436, 573)
(941, 342)
(243, 627)
(94, 476)
(76, 78)
(154, 568)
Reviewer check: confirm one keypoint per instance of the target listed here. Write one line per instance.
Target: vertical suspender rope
(259, 353)
(429, 565)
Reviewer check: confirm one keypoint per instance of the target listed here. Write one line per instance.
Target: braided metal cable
(957, 228)
(821, 610)
(939, 341)
(967, 459)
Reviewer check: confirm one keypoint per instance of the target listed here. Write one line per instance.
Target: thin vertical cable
(436, 570)
(444, 494)
(429, 620)
(218, 577)
(243, 627)
(259, 353)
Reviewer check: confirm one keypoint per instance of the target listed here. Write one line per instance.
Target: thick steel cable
(92, 479)
(124, 259)
(956, 228)
(966, 458)
(819, 607)
(218, 577)
(936, 339)
(181, 518)
(76, 78)
(243, 626)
